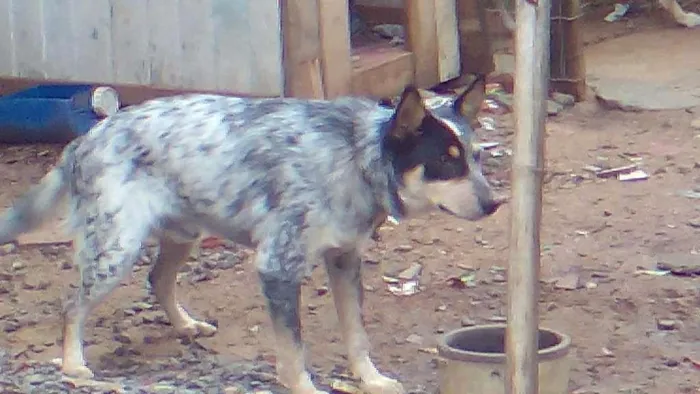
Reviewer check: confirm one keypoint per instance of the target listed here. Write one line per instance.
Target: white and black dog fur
(299, 180)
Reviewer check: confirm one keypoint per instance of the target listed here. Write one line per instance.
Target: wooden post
(421, 34)
(567, 65)
(301, 49)
(447, 39)
(335, 47)
(531, 75)
(475, 38)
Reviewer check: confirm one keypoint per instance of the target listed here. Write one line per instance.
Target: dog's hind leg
(687, 19)
(281, 266)
(344, 273)
(105, 252)
(163, 277)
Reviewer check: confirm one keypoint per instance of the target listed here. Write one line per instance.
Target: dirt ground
(633, 330)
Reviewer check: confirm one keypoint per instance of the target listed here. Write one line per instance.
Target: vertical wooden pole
(567, 65)
(335, 47)
(421, 34)
(447, 39)
(301, 49)
(531, 77)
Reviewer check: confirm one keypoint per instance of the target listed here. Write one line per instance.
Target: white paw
(74, 371)
(197, 329)
(308, 390)
(302, 386)
(382, 385)
(692, 20)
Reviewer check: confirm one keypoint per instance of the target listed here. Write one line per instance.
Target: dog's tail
(30, 210)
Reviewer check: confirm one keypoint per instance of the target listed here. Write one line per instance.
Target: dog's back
(230, 164)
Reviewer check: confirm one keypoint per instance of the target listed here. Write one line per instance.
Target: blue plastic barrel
(46, 114)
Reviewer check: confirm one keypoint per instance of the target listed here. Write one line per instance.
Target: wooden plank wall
(431, 25)
(210, 45)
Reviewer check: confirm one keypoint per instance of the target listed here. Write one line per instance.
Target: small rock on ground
(695, 124)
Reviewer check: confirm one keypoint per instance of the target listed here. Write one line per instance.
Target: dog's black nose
(490, 206)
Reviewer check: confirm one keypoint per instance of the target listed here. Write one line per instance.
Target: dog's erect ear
(469, 102)
(409, 114)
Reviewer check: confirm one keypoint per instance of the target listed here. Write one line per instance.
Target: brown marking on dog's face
(434, 157)
(454, 152)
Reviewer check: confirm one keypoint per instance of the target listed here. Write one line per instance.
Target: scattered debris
(679, 264)
(501, 152)
(624, 173)
(415, 339)
(487, 123)
(566, 100)
(607, 352)
(695, 363)
(694, 223)
(465, 280)
(393, 32)
(670, 362)
(617, 14)
(570, 281)
(342, 386)
(8, 248)
(695, 124)
(612, 172)
(406, 282)
(494, 107)
(637, 175)
(692, 194)
(652, 272)
(403, 248)
(488, 145)
(428, 350)
(497, 100)
(554, 108)
(666, 324)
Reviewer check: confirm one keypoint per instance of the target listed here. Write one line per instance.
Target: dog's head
(436, 163)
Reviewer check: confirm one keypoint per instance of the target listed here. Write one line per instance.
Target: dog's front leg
(344, 272)
(281, 262)
(283, 296)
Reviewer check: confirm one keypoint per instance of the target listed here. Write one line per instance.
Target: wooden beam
(475, 38)
(531, 80)
(335, 47)
(447, 39)
(381, 72)
(567, 65)
(301, 50)
(422, 40)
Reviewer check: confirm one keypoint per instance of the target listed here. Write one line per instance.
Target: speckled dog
(299, 180)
